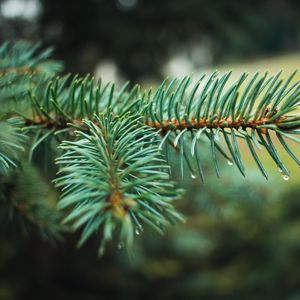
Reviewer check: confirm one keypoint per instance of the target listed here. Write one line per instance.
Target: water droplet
(285, 177)
(216, 137)
(101, 251)
(193, 176)
(139, 230)
(229, 162)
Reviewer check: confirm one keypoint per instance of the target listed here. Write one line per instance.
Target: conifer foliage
(112, 148)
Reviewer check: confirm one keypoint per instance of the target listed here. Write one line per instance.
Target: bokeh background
(242, 236)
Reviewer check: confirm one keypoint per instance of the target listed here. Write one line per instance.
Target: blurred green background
(242, 236)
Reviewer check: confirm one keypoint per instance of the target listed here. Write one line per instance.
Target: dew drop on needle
(285, 177)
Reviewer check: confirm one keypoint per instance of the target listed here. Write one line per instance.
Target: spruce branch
(114, 172)
(24, 58)
(24, 196)
(12, 142)
(28, 204)
(181, 109)
(114, 177)
(23, 66)
(248, 110)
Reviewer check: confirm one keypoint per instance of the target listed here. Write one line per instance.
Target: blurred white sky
(27, 9)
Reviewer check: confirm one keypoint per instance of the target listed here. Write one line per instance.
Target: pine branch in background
(23, 66)
(11, 143)
(114, 168)
(27, 202)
